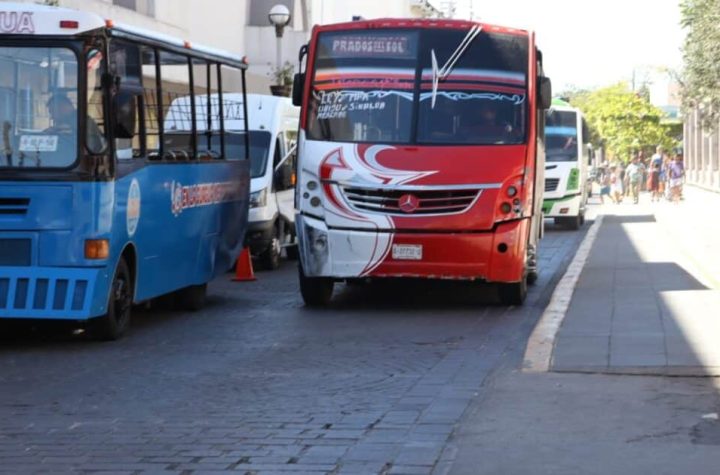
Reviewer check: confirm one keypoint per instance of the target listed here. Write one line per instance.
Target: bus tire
(513, 293)
(192, 298)
(270, 257)
(532, 277)
(574, 222)
(116, 321)
(315, 291)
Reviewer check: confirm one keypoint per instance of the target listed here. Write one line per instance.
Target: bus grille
(15, 252)
(410, 201)
(42, 294)
(551, 184)
(14, 205)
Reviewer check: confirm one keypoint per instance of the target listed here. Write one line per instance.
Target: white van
(273, 126)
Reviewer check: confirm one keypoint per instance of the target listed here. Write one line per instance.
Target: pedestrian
(666, 178)
(605, 186)
(654, 178)
(616, 184)
(634, 174)
(677, 173)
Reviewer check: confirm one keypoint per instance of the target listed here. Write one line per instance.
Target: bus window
(150, 100)
(204, 85)
(177, 107)
(233, 114)
(126, 66)
(95, 126)
(38, 107)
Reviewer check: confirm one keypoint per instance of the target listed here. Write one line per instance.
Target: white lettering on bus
(16, 22)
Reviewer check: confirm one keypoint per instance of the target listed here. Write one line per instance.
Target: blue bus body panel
(185, 223)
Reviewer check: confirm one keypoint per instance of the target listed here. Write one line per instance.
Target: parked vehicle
(420, 154)
(567, 154)
(273, 129)
(110, 196)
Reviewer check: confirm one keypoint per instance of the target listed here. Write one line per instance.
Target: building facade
(702, 152)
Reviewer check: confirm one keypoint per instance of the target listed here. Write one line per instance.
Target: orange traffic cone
(243, 267)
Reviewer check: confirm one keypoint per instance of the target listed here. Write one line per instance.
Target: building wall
(702, 153)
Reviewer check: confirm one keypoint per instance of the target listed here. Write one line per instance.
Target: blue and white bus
(108, 195)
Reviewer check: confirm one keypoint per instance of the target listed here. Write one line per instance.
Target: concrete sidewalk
(648, 299)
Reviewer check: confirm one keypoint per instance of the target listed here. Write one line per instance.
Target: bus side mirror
(298, 86)
(125, 109)
(544, 93)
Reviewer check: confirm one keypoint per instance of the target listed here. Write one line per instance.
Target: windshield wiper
(440, 74)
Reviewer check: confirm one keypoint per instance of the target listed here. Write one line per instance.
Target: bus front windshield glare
(377, 86)
(38, 107)
(561, 143)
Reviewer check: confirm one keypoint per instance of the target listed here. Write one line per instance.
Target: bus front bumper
(567, 206)
(59, 293)
(493, 256)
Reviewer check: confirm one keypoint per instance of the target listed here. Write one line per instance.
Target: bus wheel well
(130, 256)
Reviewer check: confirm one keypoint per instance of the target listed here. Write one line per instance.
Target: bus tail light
(69, 24)
(97, 249)
(505, 208)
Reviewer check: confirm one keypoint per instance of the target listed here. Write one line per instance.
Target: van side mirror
(297, 90)
(125, 110)
(544, 93)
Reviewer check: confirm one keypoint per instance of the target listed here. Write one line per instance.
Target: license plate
(407, 252)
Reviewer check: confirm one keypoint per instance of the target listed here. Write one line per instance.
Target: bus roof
(419, 23)
(560, 102)
(34, 19)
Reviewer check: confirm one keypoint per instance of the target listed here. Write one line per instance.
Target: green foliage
(701, 20)
(623, 122)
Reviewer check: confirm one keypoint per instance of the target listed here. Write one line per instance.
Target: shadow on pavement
(636, 310)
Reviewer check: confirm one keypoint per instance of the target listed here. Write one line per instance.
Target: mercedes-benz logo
(408, 203)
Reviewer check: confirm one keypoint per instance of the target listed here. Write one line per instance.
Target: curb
(538, 351)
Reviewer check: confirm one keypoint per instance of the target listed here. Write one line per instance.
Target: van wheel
(192, 298)
(315, 291)
(270, 257)
(514, 293)
(574, 223)
(116, 321)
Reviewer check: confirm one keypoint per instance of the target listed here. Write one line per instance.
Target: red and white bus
(420, 154)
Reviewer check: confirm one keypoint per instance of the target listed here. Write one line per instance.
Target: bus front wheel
(315, 291)
(116, 321)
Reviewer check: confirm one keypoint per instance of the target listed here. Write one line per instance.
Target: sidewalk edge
(538, 352)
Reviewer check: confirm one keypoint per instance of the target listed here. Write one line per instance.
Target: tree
(701, 50)
(622, 121)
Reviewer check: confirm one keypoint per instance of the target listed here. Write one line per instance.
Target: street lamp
(279, 17)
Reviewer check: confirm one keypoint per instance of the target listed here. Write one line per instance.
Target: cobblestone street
(256, 383)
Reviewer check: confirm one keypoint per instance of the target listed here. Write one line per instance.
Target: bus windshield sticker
(516, 99)
(38, 143)
(337, 104)
(374, 45)
(440, 74)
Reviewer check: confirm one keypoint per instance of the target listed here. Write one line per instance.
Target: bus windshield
(38, 107)
(561, 143)
(377, 86)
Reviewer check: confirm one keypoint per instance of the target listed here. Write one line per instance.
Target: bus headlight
(258, 199)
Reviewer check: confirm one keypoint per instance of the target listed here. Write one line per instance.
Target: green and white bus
(567, 152)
